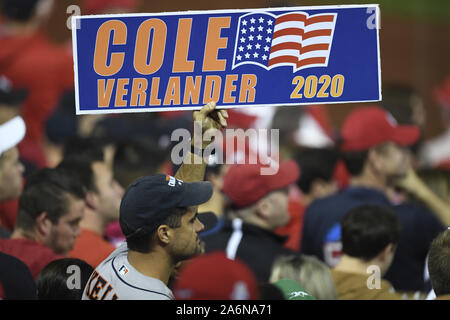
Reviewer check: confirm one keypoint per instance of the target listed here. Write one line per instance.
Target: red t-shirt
(8, 213)
(34, 63)
(91, 247)
(34, 254)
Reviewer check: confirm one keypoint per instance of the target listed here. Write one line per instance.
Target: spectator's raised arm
(207, 118)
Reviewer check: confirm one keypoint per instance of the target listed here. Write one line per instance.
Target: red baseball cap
(215, 277)
(372, 125)
(244, 184)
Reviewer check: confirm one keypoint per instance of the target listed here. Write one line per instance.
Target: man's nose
(200, 226)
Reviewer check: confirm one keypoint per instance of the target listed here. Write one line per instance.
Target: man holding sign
(179, 61)
(257, 57)
(158, 216)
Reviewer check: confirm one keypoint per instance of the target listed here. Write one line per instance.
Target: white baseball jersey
(115, 278)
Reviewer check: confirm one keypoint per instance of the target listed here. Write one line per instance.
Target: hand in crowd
(412, 183)
(208, 118)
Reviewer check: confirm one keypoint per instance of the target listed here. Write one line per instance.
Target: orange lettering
(154, 101)
(104, 92)
(173, 94)
(180, 61)
(192, 90)
(138, 92)
(121, 92)
(142, 46)
(248, 91)
(214, 42)
(102, 45)
(229, 88)
(88, 290)
(212, 89)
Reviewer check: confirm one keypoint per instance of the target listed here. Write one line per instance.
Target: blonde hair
(310, 272)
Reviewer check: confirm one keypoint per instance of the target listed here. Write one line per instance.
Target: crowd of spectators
(356, 212)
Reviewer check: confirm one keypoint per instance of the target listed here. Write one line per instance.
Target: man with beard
(374, 149)
(158, 216)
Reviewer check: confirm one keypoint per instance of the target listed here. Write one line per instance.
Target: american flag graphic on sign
(291, 39)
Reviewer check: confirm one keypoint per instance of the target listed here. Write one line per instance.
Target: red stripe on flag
(315, 60)
(314, 47)
(286, 45)
(288, 32)
(316, 33)
(283, 59)
(318, 19)
(298, 46)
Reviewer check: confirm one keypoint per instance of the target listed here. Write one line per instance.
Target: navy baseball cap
(151, 199)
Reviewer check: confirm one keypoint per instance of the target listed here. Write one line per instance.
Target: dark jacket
(322, 235)
(255, 246)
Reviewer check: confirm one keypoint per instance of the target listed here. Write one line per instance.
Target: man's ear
(262, 208)
(164, 234)
(43, 224)
(373, 159)
(386, 253)
(91, 200)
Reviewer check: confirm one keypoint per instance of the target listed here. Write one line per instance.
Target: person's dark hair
(47, 190)
(137, 157)
(88, 149)
(315, 164)
(367, 230)
(287, 119)
(11, 98)
(81, 168)
(18, 10)
(269, 291)
(142, 240)
(61, 125)
(439, 263)
(63, 279)
(354, 161)
(397, 99)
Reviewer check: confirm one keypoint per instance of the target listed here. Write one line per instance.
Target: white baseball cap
(11, 133)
